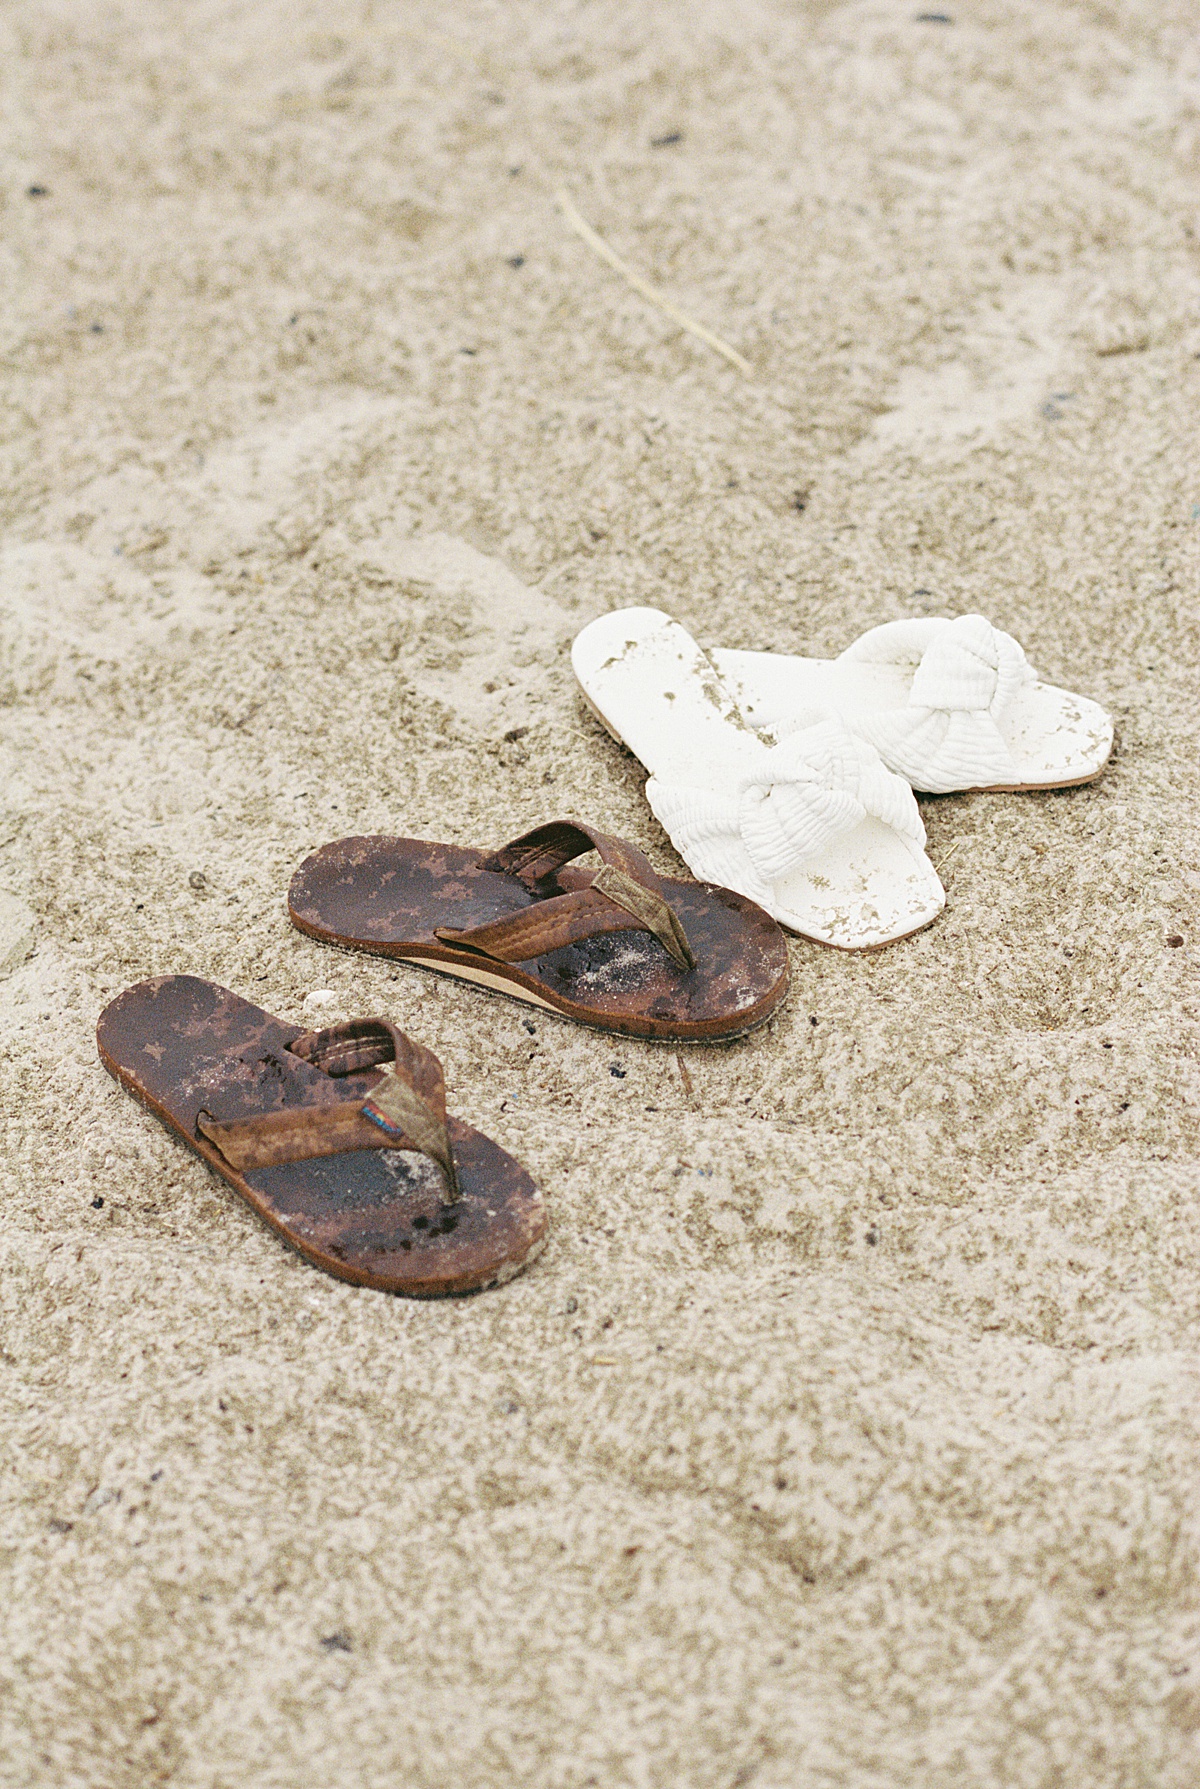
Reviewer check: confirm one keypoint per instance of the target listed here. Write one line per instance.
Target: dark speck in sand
(664, 142)
(616, 1071)
(516, 260)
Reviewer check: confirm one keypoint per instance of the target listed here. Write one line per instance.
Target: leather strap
(534, 856)
(404, 1109)
(624, 889)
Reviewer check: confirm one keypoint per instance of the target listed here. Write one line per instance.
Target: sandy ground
(847, 1432)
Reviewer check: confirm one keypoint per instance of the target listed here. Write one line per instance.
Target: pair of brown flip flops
(339, 1139)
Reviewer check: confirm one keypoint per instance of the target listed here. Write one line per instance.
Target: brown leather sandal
(620, 948)
(320, 1142)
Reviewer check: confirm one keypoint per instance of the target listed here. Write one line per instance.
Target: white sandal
(811, 824)
(949, 705)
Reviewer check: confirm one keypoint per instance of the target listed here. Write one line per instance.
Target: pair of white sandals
(791, 780)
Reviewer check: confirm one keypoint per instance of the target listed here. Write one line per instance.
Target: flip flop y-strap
(796, 796)
(404, 1109)
(624, 895)
(966, 674)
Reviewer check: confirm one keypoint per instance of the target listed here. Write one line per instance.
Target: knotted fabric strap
(786, 807)
(404, 1109)
(624, 895)
(965, 675)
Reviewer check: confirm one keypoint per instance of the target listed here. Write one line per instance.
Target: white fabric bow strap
(786, 805)
(965, 674)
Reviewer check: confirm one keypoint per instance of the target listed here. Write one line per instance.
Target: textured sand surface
(847, 1432)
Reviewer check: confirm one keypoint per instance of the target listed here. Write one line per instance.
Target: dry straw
(598, 246)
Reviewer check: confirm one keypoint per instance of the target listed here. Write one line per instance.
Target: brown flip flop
(620, 948)
(321, 1143)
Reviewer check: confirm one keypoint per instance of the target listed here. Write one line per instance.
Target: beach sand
(846, 1435)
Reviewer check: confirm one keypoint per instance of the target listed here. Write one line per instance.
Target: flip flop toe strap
(404, 1109)
(624, 895)
(965, 675)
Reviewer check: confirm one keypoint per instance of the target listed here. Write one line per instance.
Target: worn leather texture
(375, 1214)
(409, 897)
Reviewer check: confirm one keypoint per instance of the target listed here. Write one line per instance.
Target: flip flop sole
(374, 1217)
(387, 896)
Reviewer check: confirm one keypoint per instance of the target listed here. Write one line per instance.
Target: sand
(846, 1433)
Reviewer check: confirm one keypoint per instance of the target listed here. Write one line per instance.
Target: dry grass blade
(598, 246)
